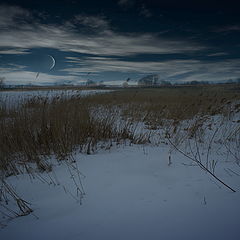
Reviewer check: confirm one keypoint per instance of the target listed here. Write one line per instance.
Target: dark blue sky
(114, 40)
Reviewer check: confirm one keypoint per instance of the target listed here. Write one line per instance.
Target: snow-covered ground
(131, 193)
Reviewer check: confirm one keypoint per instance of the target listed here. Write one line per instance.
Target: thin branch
(201, 165)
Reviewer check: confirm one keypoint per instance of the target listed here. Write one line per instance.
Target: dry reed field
(177, 103)
(36, 129)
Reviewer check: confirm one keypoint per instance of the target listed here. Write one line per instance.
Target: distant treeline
(230, 81)
(144, 82)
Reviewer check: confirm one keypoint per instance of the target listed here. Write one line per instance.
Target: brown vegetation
(34, 130)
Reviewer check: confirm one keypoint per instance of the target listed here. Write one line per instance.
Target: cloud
(28, 77)
(69, 37)
(126, 3)
(229, 28)
(99, 23)
(217, 54)
(105, 42)
(140, 7)
(107, 50)
(145, 12)
(14, 51)
(174, 70)
(111, 64)
(11, 67)
(9, 15)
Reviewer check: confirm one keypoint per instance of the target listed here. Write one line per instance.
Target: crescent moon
(53, 62)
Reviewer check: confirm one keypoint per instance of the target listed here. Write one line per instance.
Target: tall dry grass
(180, 103)
(36, 129)
(42, 127)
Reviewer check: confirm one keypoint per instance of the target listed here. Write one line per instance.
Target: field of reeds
(36, 129)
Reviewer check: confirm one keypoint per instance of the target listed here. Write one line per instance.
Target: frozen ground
(131, 193)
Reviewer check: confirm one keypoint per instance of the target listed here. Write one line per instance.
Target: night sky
(111, 41)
